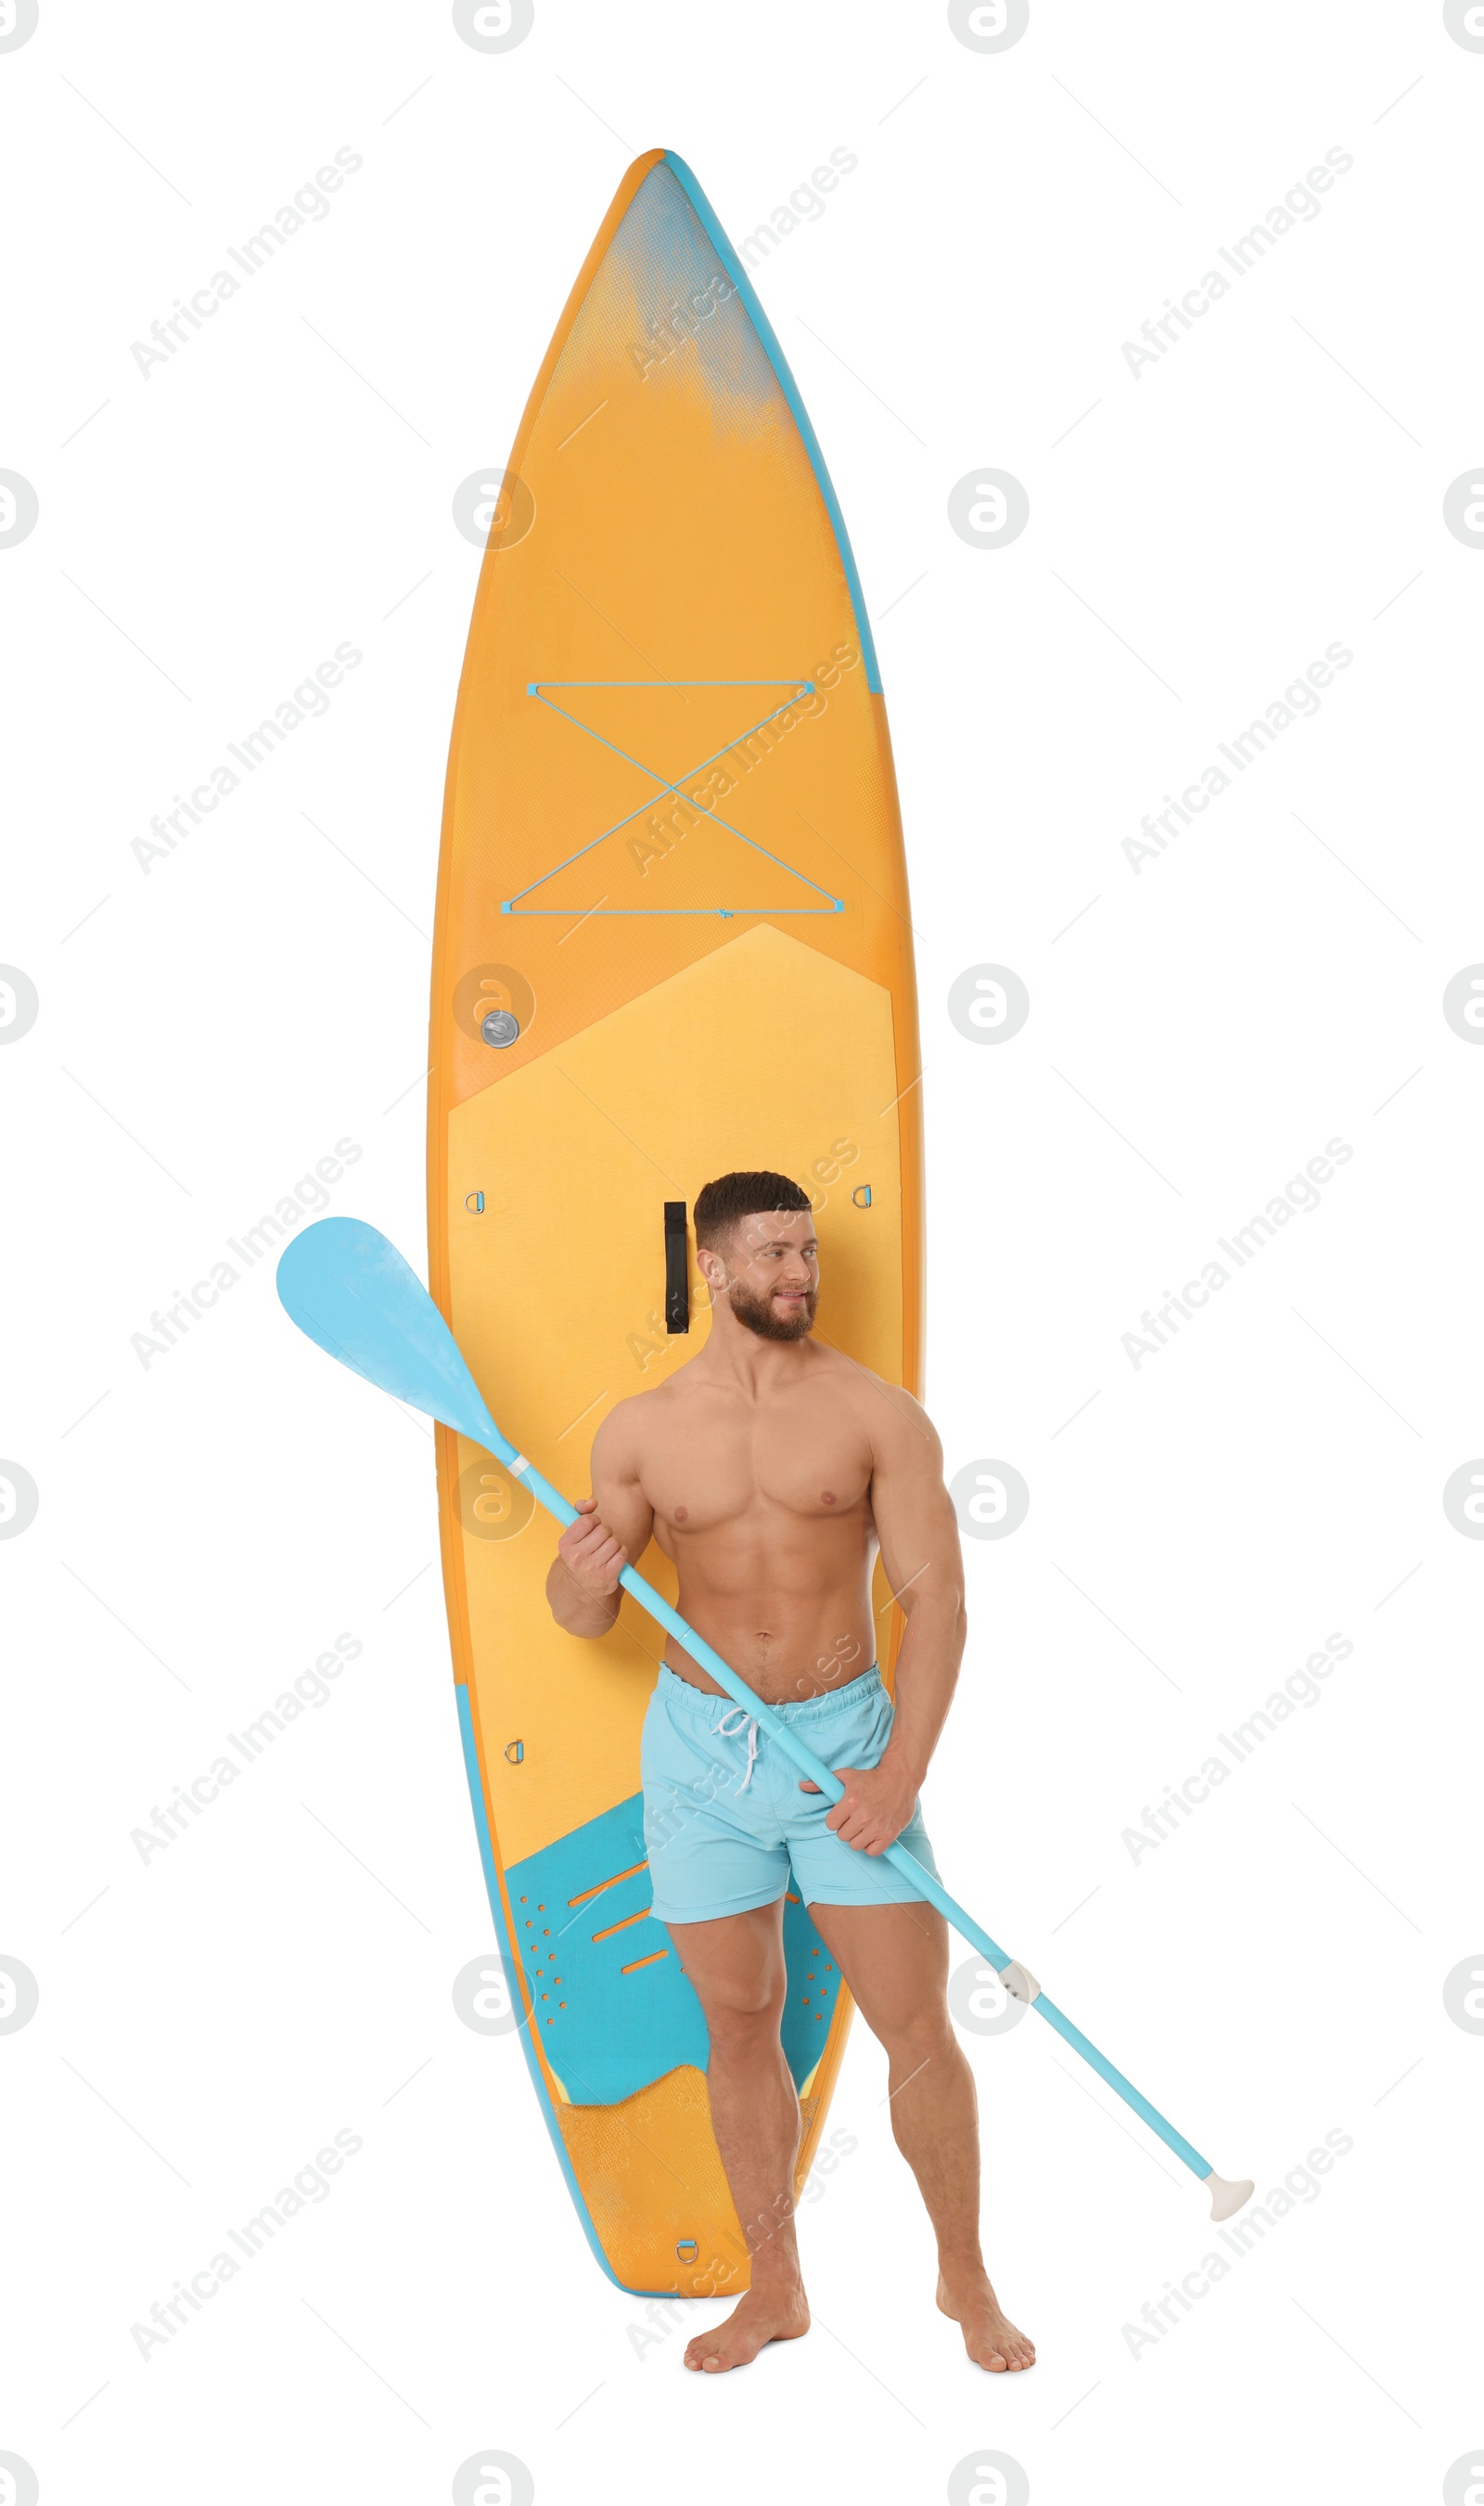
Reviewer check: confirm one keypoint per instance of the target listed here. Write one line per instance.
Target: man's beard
(758, 1314)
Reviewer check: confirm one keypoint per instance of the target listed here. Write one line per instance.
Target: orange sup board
(672, 939)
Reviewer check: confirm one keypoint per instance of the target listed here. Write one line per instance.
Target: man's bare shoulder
(898, 1426)
(632, 1426)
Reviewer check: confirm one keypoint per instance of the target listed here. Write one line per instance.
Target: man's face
(772, 1273)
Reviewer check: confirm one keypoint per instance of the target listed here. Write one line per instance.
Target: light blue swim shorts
(724, 1816)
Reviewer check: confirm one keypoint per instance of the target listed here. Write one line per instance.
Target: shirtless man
(769, 1469)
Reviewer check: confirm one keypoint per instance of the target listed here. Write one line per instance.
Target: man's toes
(706, 2361)
(1006, 2357)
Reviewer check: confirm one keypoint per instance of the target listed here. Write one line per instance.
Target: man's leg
(895, 1960)
(737, 1966)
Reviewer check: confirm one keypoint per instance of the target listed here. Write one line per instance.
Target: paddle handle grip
(831, 1787)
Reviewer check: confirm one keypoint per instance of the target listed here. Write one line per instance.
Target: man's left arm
(918, 1531)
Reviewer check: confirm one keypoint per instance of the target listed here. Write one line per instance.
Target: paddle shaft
(831, 1787)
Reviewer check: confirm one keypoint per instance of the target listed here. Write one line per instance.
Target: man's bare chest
(710, 1467)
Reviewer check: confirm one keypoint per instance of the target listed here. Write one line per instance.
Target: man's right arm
(613, 1528)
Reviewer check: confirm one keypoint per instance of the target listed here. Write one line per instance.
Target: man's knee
(917, 2032)
(738, 2009)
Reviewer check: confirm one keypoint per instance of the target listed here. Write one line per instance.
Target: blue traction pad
(611, 2004)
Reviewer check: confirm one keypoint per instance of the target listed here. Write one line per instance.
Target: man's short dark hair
(731, 1197)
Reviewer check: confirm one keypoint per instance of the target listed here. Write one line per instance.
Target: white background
(1198, 1030)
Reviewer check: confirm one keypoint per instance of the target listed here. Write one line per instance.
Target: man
(770, 1468)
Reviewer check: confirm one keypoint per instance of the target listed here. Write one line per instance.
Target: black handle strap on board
(677, 1269)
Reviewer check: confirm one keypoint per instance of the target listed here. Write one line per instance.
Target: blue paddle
(354, 1295)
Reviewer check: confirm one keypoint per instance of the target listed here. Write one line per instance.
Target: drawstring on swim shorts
(751, 1721)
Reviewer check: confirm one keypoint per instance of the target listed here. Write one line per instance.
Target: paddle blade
(348, 1288)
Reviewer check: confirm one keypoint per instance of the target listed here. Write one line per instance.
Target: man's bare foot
(990, 2338)
(763, 2315)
